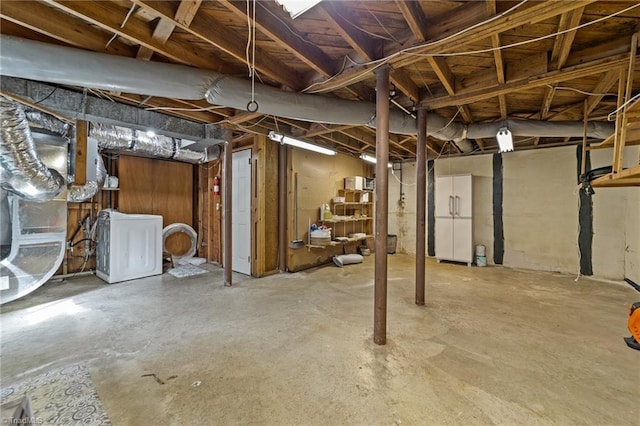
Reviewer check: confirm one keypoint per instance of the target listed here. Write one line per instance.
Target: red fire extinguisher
(216, 185)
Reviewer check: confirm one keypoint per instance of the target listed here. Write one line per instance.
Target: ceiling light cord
(252, 105)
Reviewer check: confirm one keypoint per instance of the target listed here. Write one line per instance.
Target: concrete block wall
(540, 211)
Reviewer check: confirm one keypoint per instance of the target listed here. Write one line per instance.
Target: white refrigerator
(129, 246)
(454, 218)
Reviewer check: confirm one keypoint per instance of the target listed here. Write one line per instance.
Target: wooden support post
(227, 211)
(82, 128)
(421, 205)
(382, 207)
(617, 151)
(282, 207)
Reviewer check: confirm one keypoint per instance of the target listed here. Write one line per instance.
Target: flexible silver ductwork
(44, 121)
(82, 193)
(157, 146)
(21, 170)
(37, 230)
(64, 65)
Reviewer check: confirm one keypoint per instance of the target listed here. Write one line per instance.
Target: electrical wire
(348, 21)
(611, 115)
(409, 51)
(379, 62)
(428, 171)
(209, 108)
(580, 91)
(46, 97)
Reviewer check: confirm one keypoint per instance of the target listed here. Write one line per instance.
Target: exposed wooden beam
(442, 70)
(499, 61)
(478, 94)
(110, 16)
(243, 117)
(415, 18)
(207, 29)
(563, 42)
(322, 129)
(60, 26)
(365, 47)
(560, 53)
(529, 13)
(604, 85)
(285, 37)
(164, 28)
(342, 22)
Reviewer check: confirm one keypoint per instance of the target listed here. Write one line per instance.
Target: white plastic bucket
(480, 250)
(481, 260)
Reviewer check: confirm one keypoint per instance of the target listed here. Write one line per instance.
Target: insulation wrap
(21, 170)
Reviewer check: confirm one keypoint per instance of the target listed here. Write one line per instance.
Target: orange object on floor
(634, 326)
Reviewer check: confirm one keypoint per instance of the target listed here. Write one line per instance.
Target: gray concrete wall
(616, 225)
(540, 211)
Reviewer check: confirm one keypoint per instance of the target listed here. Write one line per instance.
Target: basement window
(296, 8)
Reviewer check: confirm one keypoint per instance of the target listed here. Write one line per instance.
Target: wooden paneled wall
(264, 205)
(209, 213)
(158, 187)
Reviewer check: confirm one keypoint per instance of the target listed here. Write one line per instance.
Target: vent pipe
(21, 170)
(82, 193)
(156, 146)
(65, 65)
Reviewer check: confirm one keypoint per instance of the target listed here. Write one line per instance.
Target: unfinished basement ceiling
(467, 61)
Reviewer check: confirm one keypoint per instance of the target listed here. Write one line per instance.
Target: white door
(241, 214)
(444, 237)
(444, 196)
(462, 193)
(462, 240)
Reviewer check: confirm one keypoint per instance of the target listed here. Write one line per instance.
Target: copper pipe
(282, 207)
(382, 207)
(227, 211)
(421, 205)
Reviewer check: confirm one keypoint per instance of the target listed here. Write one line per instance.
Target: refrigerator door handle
(456, 205)
(450, 205)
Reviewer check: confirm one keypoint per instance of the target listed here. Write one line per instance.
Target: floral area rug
(63, 396)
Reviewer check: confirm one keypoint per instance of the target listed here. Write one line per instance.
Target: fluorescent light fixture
(297, 7)
(372, 159)
(505, 141)
(300, 144)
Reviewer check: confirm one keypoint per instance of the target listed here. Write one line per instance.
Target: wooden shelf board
(353, 203)
(360, 219)
(627, 177)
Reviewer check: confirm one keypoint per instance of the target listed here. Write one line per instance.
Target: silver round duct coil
(184, 228)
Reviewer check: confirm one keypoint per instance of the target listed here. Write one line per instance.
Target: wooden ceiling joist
(164, 28)
(530, 13)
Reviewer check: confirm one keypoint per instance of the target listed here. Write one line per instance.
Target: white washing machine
(129, 246)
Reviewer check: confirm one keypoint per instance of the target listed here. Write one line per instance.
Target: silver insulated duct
(55, 64)
(37, 230)
(82, 193)
(139, 142)
(21, 170)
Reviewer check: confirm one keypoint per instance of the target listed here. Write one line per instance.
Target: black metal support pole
(227, 210)
(421, 205)
(282, 207)
(382, 205)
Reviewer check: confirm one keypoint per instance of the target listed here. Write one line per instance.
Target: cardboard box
(354, 182)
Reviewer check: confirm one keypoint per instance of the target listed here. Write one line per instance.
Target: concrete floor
(493, 346)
